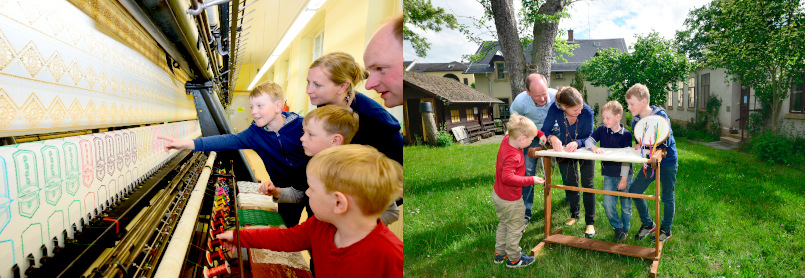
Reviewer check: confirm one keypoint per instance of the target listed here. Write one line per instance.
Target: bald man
(533, 103)
(384, 60)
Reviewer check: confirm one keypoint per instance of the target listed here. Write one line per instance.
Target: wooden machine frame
(556, 237)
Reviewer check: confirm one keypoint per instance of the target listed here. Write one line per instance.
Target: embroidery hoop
(658, 128)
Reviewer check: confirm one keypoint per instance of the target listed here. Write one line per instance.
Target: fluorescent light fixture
(301, 20)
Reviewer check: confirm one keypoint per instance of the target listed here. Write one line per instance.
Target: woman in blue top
(331, 80)
(575, 121)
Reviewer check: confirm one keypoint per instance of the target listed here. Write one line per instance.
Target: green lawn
(735, 217)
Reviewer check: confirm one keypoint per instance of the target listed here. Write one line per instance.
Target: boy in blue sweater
(275, 136)
(637, 97)
(617, 175)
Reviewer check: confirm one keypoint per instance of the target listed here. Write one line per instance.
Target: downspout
(489, 82)
(696, 100)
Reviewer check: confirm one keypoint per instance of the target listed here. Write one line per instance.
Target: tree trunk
(509, 40)
(544, 36)
(431, 132)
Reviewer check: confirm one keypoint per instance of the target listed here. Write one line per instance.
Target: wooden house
(454, 104)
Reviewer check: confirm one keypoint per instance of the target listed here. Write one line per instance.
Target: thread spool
(215, 255)
(223, 208)
(218, 215)
(217, 271)
(223, 197)
(216, 231)
(212, 244)
(217, 223)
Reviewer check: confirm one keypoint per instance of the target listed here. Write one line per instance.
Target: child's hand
(622, 184)
(538, 180)
(637, 146)
(571, 147)
(597, 150)
(556, 143)
(173, 143)
(268, 188)
(227, 240)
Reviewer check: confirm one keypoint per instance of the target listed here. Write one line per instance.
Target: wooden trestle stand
(556, 237)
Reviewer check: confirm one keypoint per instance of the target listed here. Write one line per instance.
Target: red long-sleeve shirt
(510, 171)
(379, 254)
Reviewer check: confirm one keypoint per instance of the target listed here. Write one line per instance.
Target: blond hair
(362, 172)
(569, 97)
(335, 119)
(638, 91)
(341, 67)
(269, 88)
(614, 107)
(519, 126)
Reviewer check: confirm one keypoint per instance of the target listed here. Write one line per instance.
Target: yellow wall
(347, 25)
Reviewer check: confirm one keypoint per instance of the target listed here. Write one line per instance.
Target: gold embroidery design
(33, 111)
(8, 110)
(57, 112)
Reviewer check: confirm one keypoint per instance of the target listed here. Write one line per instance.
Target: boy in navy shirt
(275, 136)
(617, 175)
(637, 97)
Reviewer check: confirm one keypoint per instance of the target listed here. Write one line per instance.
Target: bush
(778, 148)
(708, 128)
(444, 138)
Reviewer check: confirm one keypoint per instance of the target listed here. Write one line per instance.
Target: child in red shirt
(345, 234)
(508, 198)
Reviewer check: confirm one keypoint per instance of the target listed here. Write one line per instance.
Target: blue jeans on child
(667, 184)
(611, 203)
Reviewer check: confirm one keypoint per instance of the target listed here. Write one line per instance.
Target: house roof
(446, 88)
(407, 63)
(586, 50)
(426, 67)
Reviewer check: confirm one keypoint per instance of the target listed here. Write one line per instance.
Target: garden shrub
(444, 138)
(778, 148)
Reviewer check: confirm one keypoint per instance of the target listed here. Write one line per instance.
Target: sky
(590, 19)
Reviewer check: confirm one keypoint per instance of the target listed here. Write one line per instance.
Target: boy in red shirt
(345, 234)
(508, 198)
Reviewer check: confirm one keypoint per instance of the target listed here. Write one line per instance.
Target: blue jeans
(667, 184)
(611, 203)
(531, 165)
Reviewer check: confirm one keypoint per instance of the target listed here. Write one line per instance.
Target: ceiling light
(301, 20)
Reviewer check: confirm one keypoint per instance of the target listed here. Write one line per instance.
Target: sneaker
(571, 221)
(500, 258)
(522, 262)
(620, 235)
(644, 231)
(590, 231)
(664, 235)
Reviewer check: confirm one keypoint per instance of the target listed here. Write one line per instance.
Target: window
(503, 108)
(318, 45)
(669, 100)
(705, 93)
(470, 115)
(798, 97)
(485, 113)
(559, 75)
(691, 92)
(500, 68)
(454, 117)
(466, 81)
(679, 94)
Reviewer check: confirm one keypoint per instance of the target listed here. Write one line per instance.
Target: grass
(735, 217)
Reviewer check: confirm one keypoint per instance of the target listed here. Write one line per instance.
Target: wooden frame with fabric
(610, 154)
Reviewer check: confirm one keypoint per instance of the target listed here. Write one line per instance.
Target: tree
(578, 83)
(544, 15)
(758, 43)
(654, 63)
(426, 17)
